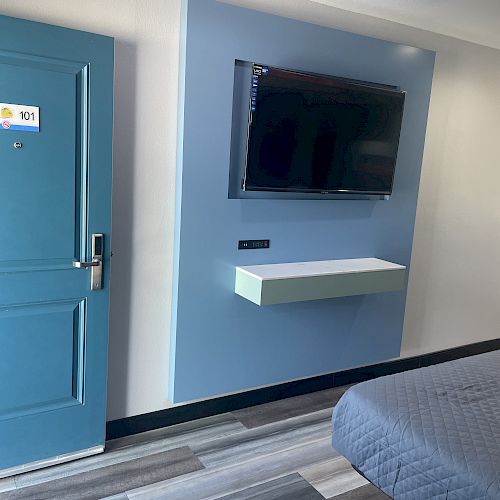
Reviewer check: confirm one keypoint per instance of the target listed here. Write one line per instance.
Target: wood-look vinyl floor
(274, 451)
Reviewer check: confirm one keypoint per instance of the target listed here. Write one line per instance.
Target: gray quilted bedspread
(430, 433)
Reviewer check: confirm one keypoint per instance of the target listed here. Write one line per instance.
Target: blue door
(55, 193)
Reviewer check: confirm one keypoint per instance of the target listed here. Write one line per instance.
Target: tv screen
(320, 134)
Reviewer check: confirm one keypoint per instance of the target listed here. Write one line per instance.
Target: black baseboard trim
(193, 411)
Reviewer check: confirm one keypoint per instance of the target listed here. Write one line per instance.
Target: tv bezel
(347, 82)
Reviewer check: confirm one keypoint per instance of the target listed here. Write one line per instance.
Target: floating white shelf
(324, 279)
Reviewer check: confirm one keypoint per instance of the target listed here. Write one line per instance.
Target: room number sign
(19, 117)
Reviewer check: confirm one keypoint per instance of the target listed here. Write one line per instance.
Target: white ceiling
(473, 20)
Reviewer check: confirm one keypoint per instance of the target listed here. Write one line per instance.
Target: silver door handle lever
(95, 265)
(86, 265)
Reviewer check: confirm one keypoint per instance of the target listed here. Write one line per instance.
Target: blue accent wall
(221, 342)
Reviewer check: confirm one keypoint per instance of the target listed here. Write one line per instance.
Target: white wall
(455, 275)
(147, 46)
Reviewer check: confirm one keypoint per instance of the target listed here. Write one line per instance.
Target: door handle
(86, 265)
(95, 265)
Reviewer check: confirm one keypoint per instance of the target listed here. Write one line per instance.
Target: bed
(429, 433)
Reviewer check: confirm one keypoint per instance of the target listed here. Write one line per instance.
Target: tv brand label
(19, 117)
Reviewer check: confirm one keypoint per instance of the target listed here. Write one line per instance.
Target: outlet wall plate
(253, 244)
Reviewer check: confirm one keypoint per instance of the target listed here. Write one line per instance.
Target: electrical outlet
(253, 244)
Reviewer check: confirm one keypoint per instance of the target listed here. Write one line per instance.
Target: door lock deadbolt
(18, 145)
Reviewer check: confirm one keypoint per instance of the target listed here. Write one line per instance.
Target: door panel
(48, 159)
(53, 380)
(55, 191)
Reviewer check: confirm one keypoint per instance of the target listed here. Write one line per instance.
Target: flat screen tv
(312, 133)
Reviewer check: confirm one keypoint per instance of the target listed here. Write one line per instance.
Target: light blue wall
(221, 342)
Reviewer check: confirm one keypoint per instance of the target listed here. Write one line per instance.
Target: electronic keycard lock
(95, 264)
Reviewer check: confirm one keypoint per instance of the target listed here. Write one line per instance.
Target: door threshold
(40, 464)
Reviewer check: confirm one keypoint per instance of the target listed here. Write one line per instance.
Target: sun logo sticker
(6, 113)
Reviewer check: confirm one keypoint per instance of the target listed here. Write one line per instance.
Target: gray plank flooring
(287, 408)
(264, 441)
(113, 479)
(292, 487)
(275, 451)
(367, 492)
(182, 434)
(139, 445)
(333, 477)
(216, 482)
